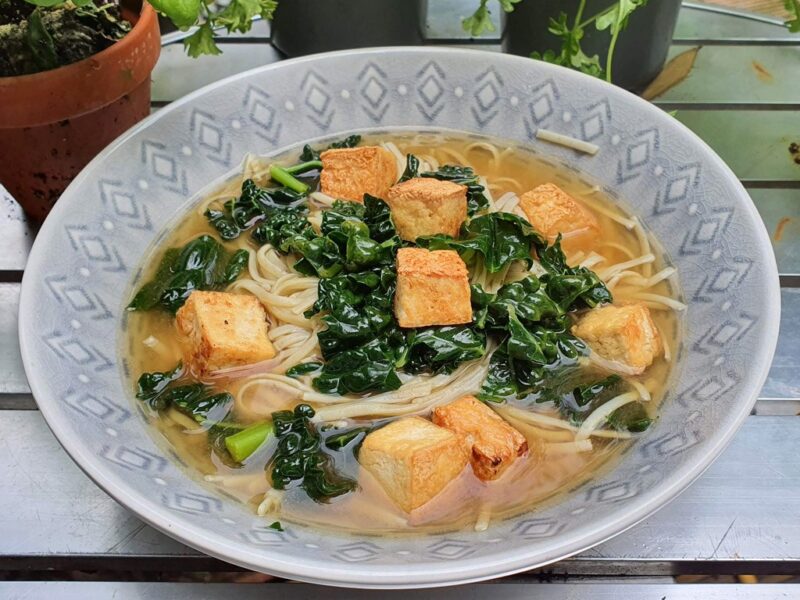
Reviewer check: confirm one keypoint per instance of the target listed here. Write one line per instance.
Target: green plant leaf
(201, 42)
(183, 13)
(40, 42)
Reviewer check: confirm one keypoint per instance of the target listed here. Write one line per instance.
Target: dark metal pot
(641, 48)
(307, 26)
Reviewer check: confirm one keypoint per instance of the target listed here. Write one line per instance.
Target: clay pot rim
(146, 16)
(30, 87)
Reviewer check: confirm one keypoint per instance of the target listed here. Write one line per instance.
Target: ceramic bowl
(88, 251)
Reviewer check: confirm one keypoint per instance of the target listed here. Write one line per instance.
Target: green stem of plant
(594, 18)
(610, 55)
(244, 443)
(285, 178)
(579, 14)
(311, 165)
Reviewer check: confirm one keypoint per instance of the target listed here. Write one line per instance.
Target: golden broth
(152, 343)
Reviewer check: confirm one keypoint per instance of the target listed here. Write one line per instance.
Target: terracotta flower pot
(54, 122)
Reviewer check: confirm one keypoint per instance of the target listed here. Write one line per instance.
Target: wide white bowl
(73, 294)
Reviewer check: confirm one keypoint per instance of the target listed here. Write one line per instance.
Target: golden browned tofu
(224, 330)
(552, 211)
(494, 444)
(413, 460)
(426, 206)
(625, 334)
(432, 288)
(349, 173)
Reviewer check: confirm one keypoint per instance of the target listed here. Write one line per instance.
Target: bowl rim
(382, 577)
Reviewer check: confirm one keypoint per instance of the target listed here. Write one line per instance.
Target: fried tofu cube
(349, 173)
(625, 334)
(413, 460)
(494, 445)
(427, 206)
(224, 330)
(432, 288)
(552, 211)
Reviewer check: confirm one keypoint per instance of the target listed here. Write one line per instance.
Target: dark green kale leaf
(202, 264)
(496, 238)
(480, 300)
(412, 168)
(352, 438)
(299, 458)
(151, 386)
(587, 393)
(161, 390)
(631, 417)
(350, 141)
(253, 206)
(304, 369)
(365, 368)
(527, 299)
(442, 349)
(586, 397)
(196, 401)
(570, 287)
(501, 380)
(282, 226)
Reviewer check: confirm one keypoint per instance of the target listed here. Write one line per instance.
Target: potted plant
(624, 41)
(75, 74)
(306, 26)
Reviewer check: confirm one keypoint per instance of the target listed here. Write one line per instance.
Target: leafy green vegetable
(195, 400)
(631, 417)
(202, 264)
(282, 227)
(350, 141)
(584, 394)
(497, 238)
(276, 525)
(304, 369)
(253, 206)
(350, 438)
(286, 179)
(442, 349)
(412, 168)
(150, 386)
(476, 200)
(299, 457)
(537, 353)
(570, 287)
(243, 443)
(159, 391)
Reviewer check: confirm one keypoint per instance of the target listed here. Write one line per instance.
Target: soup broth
(556, 460)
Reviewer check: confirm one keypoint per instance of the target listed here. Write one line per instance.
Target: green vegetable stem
(244, 443)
